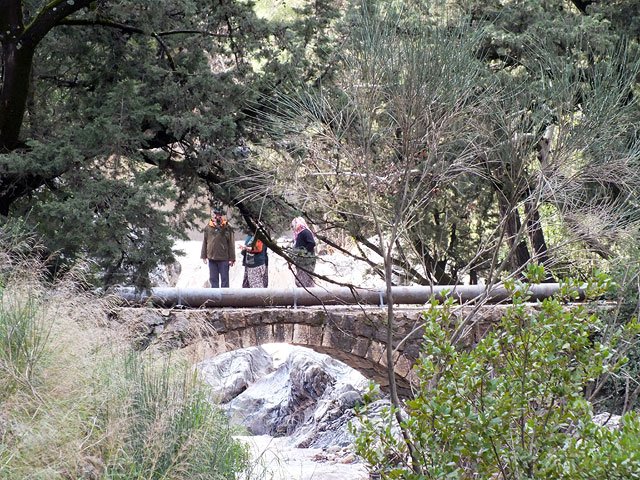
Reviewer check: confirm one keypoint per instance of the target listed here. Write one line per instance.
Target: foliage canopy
(133, 110)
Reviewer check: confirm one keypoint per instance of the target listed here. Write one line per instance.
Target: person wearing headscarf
(304, 246)
(255, 262)
(218, 249)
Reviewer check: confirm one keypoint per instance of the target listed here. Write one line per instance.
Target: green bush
(513, 406)
(620, 392)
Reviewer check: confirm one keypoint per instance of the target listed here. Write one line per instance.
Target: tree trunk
(16, 58)
(16, 71)
(534, 227)
(16, 64)
(17, 46)
(582, 5)
(518, 249)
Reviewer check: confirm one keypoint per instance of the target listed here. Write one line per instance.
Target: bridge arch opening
(354, 336)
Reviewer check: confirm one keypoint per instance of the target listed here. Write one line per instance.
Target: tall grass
(171, 428)
(77, 402)
(23, 329)
(23, 337)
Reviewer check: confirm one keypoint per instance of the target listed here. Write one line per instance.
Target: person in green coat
(218, 249)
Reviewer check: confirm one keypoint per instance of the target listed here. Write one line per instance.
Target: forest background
(501, 125)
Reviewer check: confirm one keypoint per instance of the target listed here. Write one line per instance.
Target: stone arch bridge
(354, 334)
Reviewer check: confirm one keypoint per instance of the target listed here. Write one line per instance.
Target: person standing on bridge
(218, 249)
(255, 262)
(303, 253)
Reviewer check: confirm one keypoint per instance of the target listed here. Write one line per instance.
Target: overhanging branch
(131, 29)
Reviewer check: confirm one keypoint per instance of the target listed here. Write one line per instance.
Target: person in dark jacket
(218, 249)
(303, 252)
(255, 262)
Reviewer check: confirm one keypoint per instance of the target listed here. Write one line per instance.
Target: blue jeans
(219, 268)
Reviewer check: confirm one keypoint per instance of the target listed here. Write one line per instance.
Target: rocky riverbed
(296, 404)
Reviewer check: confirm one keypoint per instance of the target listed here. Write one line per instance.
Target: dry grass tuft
(78, 402)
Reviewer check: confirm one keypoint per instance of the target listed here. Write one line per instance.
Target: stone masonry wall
(352, 335)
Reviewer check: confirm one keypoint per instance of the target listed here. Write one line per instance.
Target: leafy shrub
(512, 407)
(620, 392)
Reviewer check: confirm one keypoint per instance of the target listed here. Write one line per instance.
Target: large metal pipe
(274, 297)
